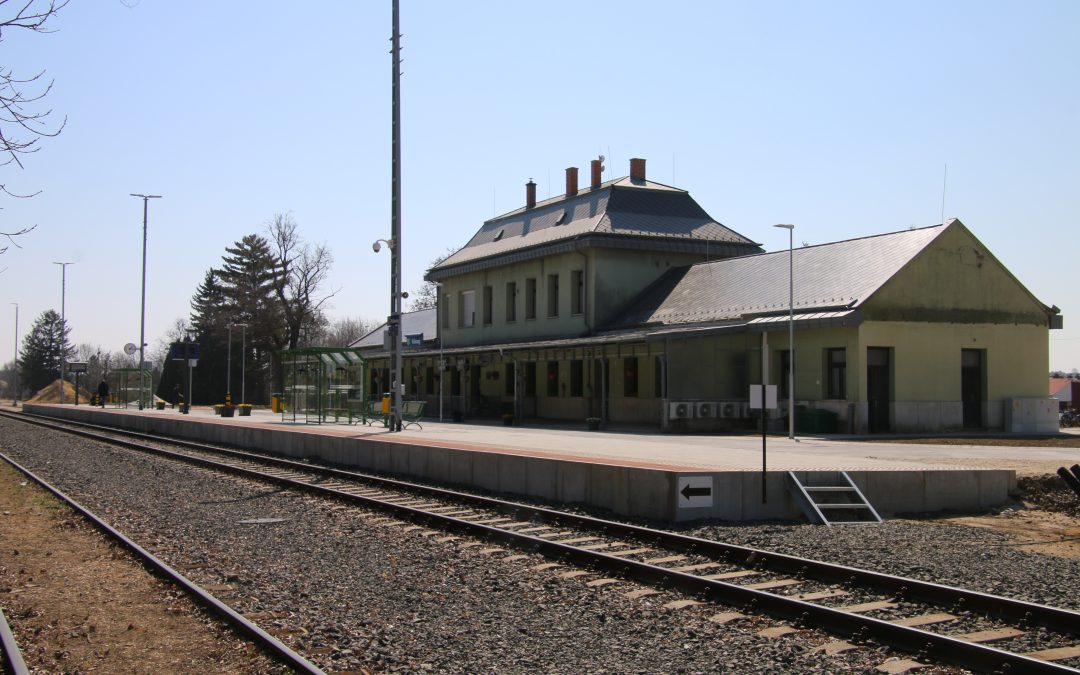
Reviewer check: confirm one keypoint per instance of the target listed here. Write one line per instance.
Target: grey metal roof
(618, 208)
(424, 321)
(828, 277)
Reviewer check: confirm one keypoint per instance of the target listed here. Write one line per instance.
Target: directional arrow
(689, 492)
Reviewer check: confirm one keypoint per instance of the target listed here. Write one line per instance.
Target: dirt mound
(1049, 493)
(51, 394)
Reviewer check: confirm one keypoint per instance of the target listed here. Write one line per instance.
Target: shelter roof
(421, 322)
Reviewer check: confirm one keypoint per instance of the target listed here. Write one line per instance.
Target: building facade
(627, 302)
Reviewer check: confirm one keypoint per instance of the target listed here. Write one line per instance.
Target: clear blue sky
(838, 117)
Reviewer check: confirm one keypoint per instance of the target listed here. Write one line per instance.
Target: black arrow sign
(689, 492)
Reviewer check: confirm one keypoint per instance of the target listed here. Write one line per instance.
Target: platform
(629, 473)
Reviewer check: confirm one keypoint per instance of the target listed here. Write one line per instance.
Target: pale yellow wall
(954, 280)
(612, 279)
(500, 331)
(926, 358)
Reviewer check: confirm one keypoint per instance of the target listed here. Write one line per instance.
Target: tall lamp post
(243, 359)
(439, 332)
(393, 331)
(228, 370)
(791, 329)
(142, 311)
(15, 396)
(63, 323)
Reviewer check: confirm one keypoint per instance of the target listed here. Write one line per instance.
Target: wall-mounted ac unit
(730, 409)
(705, 409)
(680, 410)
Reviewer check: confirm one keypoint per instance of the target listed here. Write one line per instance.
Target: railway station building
(626, 302)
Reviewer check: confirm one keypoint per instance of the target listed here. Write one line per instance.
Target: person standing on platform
(103, 392)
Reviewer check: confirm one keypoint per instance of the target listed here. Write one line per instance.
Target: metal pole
(63, 314)
(228, 370)
(439, 332)
(395, 223)
(243, 363)
(791, 329)
(15, 396)
(791, 333)
(142, 309)
(764, 398)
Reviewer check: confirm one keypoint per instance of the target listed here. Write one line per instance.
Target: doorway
(878, 389)
(972, 377)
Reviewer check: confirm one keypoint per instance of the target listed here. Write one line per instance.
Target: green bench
(411, 412)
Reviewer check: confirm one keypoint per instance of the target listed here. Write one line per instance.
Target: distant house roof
(621, 213)
(422, 322)
(829, 277)
(1062, 388)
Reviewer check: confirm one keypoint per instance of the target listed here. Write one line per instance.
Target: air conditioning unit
(730, 409)
(680, 410)
(705, 409)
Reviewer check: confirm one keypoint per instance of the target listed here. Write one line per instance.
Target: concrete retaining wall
(629, 491)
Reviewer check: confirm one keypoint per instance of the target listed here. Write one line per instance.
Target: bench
(411, 412)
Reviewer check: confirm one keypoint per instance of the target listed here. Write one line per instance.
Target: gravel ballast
(352, 594)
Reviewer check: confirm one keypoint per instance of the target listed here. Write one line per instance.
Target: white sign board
(694, 492)
(770, 396)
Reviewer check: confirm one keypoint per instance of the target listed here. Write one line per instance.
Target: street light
(243, 361)
(791, 329)
(15, 396)
(63, 340)
(228, 374)
(439, 332)
(142, 311)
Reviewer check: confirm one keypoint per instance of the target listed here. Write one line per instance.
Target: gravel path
(352, 594)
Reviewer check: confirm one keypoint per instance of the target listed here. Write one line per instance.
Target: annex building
(625, 301)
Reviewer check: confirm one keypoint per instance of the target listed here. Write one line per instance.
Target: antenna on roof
(944, 181)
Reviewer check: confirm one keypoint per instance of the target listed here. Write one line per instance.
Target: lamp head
(376, 247)
(785, 226)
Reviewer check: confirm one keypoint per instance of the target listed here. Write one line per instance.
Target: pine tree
(41, 351)
(248, 276)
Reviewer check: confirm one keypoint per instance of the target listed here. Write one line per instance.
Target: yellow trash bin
(275, 403)
(386, 404)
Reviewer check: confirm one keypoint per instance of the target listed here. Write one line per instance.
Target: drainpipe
(585, 300)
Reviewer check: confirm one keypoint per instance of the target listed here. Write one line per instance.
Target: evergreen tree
(41, 351)
(248, 276)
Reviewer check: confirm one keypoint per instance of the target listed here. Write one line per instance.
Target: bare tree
(428, 295)
(22, 121)
(344, 331)
(302, 269)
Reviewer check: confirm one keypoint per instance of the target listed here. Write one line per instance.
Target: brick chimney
(571, 181)
(597, 169)
(530, 194)
(637, 169)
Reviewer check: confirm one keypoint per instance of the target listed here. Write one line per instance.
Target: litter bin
(815, 421)
(275, 403)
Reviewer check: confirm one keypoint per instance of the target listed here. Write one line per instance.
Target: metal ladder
(845, 504)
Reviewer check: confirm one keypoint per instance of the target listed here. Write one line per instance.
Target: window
(552, 378)
(445, 311)
(553, 295)
(511, 301)
(530, 299)
(577, 378)
(530, 378)
(658, 378)
(429, 380)
(467, 309)
(509, 372)
(487, 305)
(836, 363)
(630, 373)
(455, 381)
(577, 287)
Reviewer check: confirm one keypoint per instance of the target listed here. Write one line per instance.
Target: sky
(838, 117)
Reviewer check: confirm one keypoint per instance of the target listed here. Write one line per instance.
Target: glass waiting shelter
(324, 384)
(124, 388)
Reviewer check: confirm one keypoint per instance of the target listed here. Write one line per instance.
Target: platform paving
(629, 471)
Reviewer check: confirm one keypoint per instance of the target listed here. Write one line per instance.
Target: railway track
(12, 659)
(931, 622)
